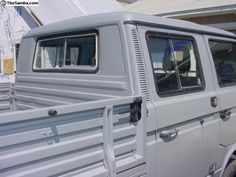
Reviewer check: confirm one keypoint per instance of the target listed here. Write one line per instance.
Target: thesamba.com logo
(3, 2)
(19, 2)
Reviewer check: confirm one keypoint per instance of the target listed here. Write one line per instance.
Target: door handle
(169, 133)
(225, 115)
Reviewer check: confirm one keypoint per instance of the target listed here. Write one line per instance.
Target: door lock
(214, 101)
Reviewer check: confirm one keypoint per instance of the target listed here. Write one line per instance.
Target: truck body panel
(87, 139)
(146, 104)
(5, 89)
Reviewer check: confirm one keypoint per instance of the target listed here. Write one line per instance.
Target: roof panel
(122, 17)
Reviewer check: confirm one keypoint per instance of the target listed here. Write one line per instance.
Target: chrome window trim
(79, 68)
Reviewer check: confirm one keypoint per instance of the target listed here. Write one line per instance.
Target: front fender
(230, 151)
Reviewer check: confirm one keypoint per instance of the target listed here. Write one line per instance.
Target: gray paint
(40, 145)
(92, 134)
(35, 89)
(5, 97)
(183, 112)
(121, 17)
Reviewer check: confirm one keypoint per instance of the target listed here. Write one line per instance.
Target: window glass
(69, 52)
(50, 54)
(174, 64)
(224, 56)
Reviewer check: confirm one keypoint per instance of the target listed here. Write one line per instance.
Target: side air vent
(140, 64)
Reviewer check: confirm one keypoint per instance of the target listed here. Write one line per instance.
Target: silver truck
(121, 95)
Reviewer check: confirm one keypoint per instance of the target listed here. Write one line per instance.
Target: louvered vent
(140, 65)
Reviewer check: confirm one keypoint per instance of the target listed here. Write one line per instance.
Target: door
(223, 57)
(183, 93)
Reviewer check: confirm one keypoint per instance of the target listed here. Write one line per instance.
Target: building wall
(213, 19)
(223, 21)
(14, 23)
(217, 13)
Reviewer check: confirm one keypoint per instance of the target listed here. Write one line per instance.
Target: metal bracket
(225, 115)
(109, 155)
(49, 137)
(212, 169)
(135, 110)
(52, 112)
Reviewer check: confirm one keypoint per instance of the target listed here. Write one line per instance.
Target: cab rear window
(78, 53)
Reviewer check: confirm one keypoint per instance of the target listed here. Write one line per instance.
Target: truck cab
(121, 94)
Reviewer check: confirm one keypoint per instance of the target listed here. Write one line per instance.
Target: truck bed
(85, 139)
(38, 90)
(5, 105)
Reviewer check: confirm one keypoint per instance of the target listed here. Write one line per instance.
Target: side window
(175, 66)
(72, 52)
(224, 57)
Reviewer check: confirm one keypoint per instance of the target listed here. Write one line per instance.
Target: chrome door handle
(169, 133)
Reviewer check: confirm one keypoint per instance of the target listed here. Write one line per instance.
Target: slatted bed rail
(99, 138)
(5, 105)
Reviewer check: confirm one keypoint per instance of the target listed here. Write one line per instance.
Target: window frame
(220, 41)
(69, 69)
(198, 60)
